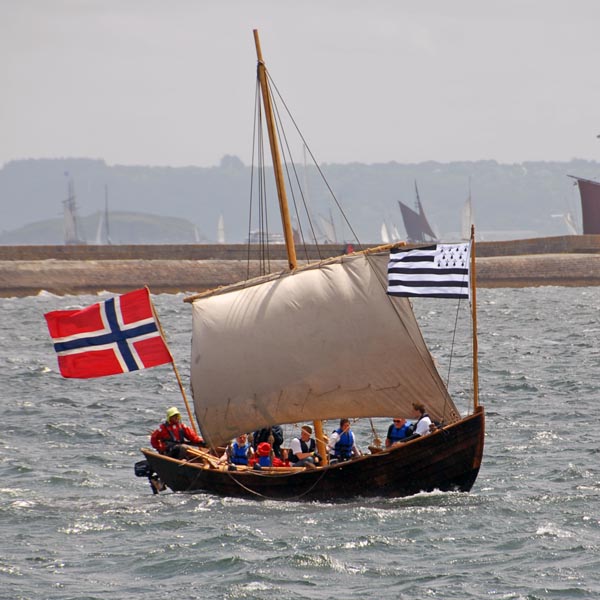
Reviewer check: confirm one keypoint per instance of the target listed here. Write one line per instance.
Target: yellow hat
(171, 412)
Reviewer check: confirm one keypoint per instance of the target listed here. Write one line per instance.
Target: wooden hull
(447, 460)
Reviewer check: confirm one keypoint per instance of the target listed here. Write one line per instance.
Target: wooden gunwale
(447, 459)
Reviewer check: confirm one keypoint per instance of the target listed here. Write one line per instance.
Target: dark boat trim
(446, 460)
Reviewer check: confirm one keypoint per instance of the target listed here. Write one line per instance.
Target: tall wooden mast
(474, 318)
(281, 193)
(275, 154)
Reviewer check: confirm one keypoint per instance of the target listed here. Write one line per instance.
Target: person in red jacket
(171, 436)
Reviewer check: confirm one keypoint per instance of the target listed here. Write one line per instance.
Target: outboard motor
(142, 469)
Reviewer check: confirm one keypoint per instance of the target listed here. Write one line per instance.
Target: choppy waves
(77, 523)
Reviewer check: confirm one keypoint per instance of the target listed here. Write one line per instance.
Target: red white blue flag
(115, 336)
(440, 271)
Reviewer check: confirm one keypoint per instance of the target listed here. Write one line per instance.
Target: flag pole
(181, 388)
(474, 319)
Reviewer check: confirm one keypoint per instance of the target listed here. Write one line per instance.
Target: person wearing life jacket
(273, 435)
(172, 436)
(239, 451)
(398, 431)
(263, 452)
(423, 423)
(341, 444)
(303, 449)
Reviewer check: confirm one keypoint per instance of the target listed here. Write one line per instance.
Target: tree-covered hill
(509, 200)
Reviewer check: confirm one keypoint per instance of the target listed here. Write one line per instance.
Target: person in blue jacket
(342, 444)
(238, 452)
(263, 452)
(397, 432)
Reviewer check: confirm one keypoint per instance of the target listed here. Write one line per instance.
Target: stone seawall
(568, 244)
(26, 270)
(26, 278)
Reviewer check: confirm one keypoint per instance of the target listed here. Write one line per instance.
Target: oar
(212, 460)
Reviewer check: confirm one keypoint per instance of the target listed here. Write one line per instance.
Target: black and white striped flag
(440, 271)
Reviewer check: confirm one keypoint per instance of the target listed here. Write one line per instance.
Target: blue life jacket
(264, 461)
(239, 454)
(395, 434)
(343, 448)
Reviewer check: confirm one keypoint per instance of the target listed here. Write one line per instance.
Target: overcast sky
(171, 82)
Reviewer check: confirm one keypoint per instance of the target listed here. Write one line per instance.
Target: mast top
(276, 156)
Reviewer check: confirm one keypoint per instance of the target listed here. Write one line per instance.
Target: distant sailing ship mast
(467, 216)
(71, 224)
(415, 222)
(106, 226)
(103, 231)
(221, 230)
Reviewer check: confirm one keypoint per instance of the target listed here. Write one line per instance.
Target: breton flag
(440, 271)
(115, 336)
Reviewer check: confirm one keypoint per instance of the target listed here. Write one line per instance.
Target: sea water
(77, 524)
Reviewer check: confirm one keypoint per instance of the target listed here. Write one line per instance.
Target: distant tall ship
(71, 222)
(415, 222)
(103, 231)
(221, 230)
(590, 204)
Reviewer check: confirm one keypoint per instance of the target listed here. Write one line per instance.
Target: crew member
(303, 449)
(171, 436)
(398, 431)
(342, 445)
(423, 424)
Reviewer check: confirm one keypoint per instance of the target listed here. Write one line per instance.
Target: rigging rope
(258, 155)
(285, 146)
(273, 86)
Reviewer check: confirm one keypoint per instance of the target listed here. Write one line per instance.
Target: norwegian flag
(440, 271)
(111, 337)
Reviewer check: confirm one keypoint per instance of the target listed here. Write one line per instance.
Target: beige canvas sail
(317, 343)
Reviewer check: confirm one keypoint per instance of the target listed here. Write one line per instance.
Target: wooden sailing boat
(416, 224)
(317, 342)
(590, 204)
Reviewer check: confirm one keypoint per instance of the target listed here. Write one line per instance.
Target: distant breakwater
(26, 270)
